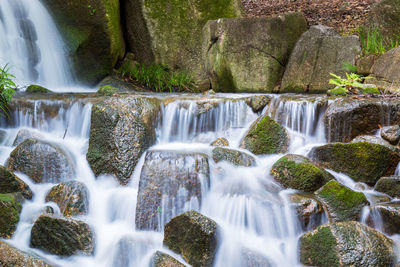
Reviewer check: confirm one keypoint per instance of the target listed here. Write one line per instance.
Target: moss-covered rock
(298, 172)
(319, 52)
(250, 54)
(220, 142)
(258, 102)
(370, 90)
(168, 182)
(60, 236)
(160, 259)
(71, 197)
(194, 236)
(13, 257)
(168, 32)
(308, 209)
(389, 185)
(93, 34)
(107, 90)
(24, 134)
(362, 161)
(340, 91)
(266, 136)
(10, 208)
(340, 202)
(122, 128)
(233, 156)
(37, 89)
(42, 161)
(10, 183)
(346, 244)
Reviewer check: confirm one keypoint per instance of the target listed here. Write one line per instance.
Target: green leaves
(7, 89)
(374, 43)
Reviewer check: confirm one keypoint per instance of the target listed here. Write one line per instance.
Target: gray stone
(24, 134)
(233, 156)
(391, 134)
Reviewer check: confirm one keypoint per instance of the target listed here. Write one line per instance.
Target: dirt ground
(343, 15)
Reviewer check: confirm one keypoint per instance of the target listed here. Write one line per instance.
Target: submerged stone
(233, 156)
(10, 183)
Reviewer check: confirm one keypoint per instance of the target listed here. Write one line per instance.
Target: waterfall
(32, 46)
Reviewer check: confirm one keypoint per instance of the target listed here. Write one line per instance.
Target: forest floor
(343, 15)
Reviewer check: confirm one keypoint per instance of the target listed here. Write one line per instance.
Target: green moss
(107, 90)
(10, 209)
(318, 248)
(337, 92)
(371, 91)
(115, 30)
(37, 89)
(74, 37)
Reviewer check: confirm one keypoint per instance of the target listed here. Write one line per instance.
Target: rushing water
(252, 211)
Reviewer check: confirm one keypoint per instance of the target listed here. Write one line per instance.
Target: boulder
(373, 139)
(194, 236)
(10, 209)
(340, 202)
(348, 118)
(308, 209)
(37, 89)
(319, 52)
(391, 134)
(169, 32)
(387, 216)
(92, 33)
(72, 198)
(42, 161)
(385, 15)
(266, 136)
(346, 244)
(298, 172)
(122, 128)
(61, 236)
(13, 257)
(10, 183)
(24, 134)
(170, 182)
(385, 65)
(233, 156)
(258, 102)
(220, 142)
(362, 161)
(250, 54)
(160, 259)
(389, 185)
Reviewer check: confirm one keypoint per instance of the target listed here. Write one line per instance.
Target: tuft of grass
(374, 43)
(160, 78)
(7, 89)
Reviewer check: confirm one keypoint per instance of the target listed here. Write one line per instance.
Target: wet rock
(346, 244)
(42, 161)
(10, 183)
(13, 257)
(389, 185)
(24, 134)
(194, 236)
(309, 210)
(71, 197)
(220, 142)
(160, 259)
(122, 128)
(10, 209)
(319, 52)
(363, 162)
(298, 172)
(375, 140)
(107, 90)
(266, 136)
(391, 134)
(37, 89)
(250, 54)
(348, 118)
(233, 156)
(169, 182)
(60, 236)
(340, 202)
(258, 102)
(118, 82)
(253, 259)
(155, 35)
(387, 216)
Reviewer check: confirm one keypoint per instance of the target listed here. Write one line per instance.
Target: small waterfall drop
(32, 46)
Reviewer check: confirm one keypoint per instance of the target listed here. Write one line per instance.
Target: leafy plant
(92, 10)
(350, 83)
(374, 43)
(7, 89)
(346, 66)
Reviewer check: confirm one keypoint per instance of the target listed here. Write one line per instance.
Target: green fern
(7, 89)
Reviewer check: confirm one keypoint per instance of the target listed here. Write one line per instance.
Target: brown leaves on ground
(343, 15)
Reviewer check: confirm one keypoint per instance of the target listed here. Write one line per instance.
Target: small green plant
(351, 83)
(159, 78)
(7, 89)
(374, 43)
(92, 10)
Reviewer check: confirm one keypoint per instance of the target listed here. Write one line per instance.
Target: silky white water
(251, 210)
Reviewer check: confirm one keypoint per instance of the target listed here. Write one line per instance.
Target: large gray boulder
(169, 181)
(42, 161)
(319, 52)
(386, 65)
(250, 54)
(169, 32)
(346, 244)
(122, 129)
(13, 257)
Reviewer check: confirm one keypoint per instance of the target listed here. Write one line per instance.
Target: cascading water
(259, 227)
(32, 47)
